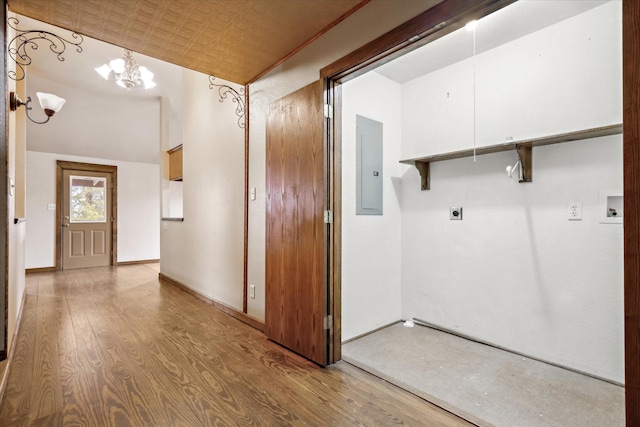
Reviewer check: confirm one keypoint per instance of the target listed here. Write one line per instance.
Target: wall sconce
(50, 103)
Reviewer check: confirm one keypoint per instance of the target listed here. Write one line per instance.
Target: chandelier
(127, 73)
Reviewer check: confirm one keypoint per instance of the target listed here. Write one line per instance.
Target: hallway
(113, 346)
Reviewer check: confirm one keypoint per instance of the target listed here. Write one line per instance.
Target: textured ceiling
(236, 40)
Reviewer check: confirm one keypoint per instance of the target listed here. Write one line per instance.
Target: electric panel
(368, 166)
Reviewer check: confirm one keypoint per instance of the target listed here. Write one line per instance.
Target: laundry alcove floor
(485, 385)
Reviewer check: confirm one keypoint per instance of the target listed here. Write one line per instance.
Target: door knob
(65, 224)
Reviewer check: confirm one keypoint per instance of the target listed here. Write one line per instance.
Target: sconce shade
(50, 103)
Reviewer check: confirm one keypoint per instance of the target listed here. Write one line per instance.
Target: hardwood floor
(112, 346)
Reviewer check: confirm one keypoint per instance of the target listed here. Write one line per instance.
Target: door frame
(434, 23)
(631, 168)
(440, 20)
(4, 201)
(62, 165)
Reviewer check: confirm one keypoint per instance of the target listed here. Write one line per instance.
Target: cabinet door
(175, 164)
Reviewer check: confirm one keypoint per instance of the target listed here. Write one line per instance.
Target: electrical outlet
(252, 291)
(455, 213)
(575, 211)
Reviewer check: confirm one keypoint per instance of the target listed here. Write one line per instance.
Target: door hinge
(112, 219)
(328, 111)
(328, 217)
(328, 321)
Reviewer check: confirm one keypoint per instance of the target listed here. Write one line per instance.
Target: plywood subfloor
(486, 385)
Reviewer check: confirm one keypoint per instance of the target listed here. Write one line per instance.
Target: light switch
(51, 207)
(253, 193)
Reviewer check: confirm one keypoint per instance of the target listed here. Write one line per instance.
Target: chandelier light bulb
(148, 84)
(104, 71)
(117, 65)
(145, 74)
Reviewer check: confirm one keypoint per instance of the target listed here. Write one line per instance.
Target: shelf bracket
(525, 155)
(423, 168)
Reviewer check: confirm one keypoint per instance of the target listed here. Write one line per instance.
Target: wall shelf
(523, 148)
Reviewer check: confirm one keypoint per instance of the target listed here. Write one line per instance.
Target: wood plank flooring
(113, 346)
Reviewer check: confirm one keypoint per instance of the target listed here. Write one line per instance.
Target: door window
(88, 199)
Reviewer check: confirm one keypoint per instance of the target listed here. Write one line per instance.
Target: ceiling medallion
(224, 91)
(29, 39)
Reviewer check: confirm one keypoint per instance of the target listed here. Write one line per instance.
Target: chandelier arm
(25, 39)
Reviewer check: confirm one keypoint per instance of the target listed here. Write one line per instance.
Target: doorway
(86, 215)
(422, 290)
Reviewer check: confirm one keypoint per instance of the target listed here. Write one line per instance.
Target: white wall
(371, 249)
(515, 271)
(369, 22)
(206, 251)
(531, 87)
(15, 266)
(138, 208)
(122, 126)
(175, 199)
(171, 190)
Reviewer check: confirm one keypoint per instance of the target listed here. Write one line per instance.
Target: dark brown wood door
(296, 235)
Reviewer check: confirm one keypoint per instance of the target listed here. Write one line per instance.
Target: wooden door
(296, 235)
(87, 219)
